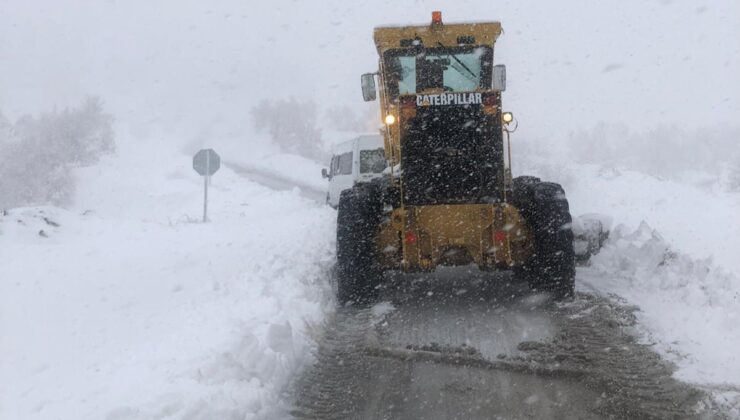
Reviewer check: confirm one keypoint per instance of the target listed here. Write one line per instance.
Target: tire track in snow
(454, 349)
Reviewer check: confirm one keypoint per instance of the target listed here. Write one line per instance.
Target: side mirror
(498, 82)
(324, 173)
(368, 87)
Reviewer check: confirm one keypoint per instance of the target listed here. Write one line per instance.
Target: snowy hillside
(126, 306)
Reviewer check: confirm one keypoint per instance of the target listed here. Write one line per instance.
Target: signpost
(206, 162)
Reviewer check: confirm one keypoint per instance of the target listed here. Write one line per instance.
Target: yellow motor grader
(447, 197)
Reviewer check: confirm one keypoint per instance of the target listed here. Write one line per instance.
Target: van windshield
(372, 161)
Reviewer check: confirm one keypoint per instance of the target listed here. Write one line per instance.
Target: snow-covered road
(466, 345)
(275, 181)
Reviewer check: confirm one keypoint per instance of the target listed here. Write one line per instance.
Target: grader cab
(448, 197)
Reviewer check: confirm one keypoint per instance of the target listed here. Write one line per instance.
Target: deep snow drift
(673, 252)
(126, 306)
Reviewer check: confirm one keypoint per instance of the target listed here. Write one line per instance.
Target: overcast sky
(201, 65)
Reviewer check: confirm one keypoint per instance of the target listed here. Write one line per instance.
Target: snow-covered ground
(674, 253)
(266, 160)
(126, 306)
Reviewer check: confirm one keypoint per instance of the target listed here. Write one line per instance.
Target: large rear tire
(552, 265)
(358, 271)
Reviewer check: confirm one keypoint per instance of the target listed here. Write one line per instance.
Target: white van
(361, 159)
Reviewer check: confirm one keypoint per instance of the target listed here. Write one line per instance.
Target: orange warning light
(437, 17)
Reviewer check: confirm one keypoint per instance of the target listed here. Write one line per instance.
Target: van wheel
(358, 272)
(552, 265)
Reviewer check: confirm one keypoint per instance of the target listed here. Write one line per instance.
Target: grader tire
(358, 272)
(552, 266)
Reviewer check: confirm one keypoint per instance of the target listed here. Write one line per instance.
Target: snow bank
(690, 308)
(684, 279)
(700, 221)
(126, 307)
(641, 267)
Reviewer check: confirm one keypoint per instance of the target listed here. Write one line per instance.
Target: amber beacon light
(437, 17)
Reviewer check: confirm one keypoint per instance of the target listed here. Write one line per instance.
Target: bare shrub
(291, 124)
(37, 154)
(6, 129)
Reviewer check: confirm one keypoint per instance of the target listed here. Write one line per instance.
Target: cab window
(457, 69)
(344, 164)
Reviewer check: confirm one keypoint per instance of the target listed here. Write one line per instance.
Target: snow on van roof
(364, 141)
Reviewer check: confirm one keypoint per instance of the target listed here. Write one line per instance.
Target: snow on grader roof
(437, 32)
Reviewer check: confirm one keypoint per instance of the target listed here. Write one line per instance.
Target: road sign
(206, 162)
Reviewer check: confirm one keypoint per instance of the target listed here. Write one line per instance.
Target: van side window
(345, 163)
(334, 166)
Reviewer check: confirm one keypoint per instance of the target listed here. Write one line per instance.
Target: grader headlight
(390, 119)
(507, 117)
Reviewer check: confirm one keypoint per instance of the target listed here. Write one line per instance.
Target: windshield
(459, 69)
(372, 161)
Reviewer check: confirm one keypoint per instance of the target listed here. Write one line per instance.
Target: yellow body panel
(454, 235)
(390, 37)
(420, 238)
